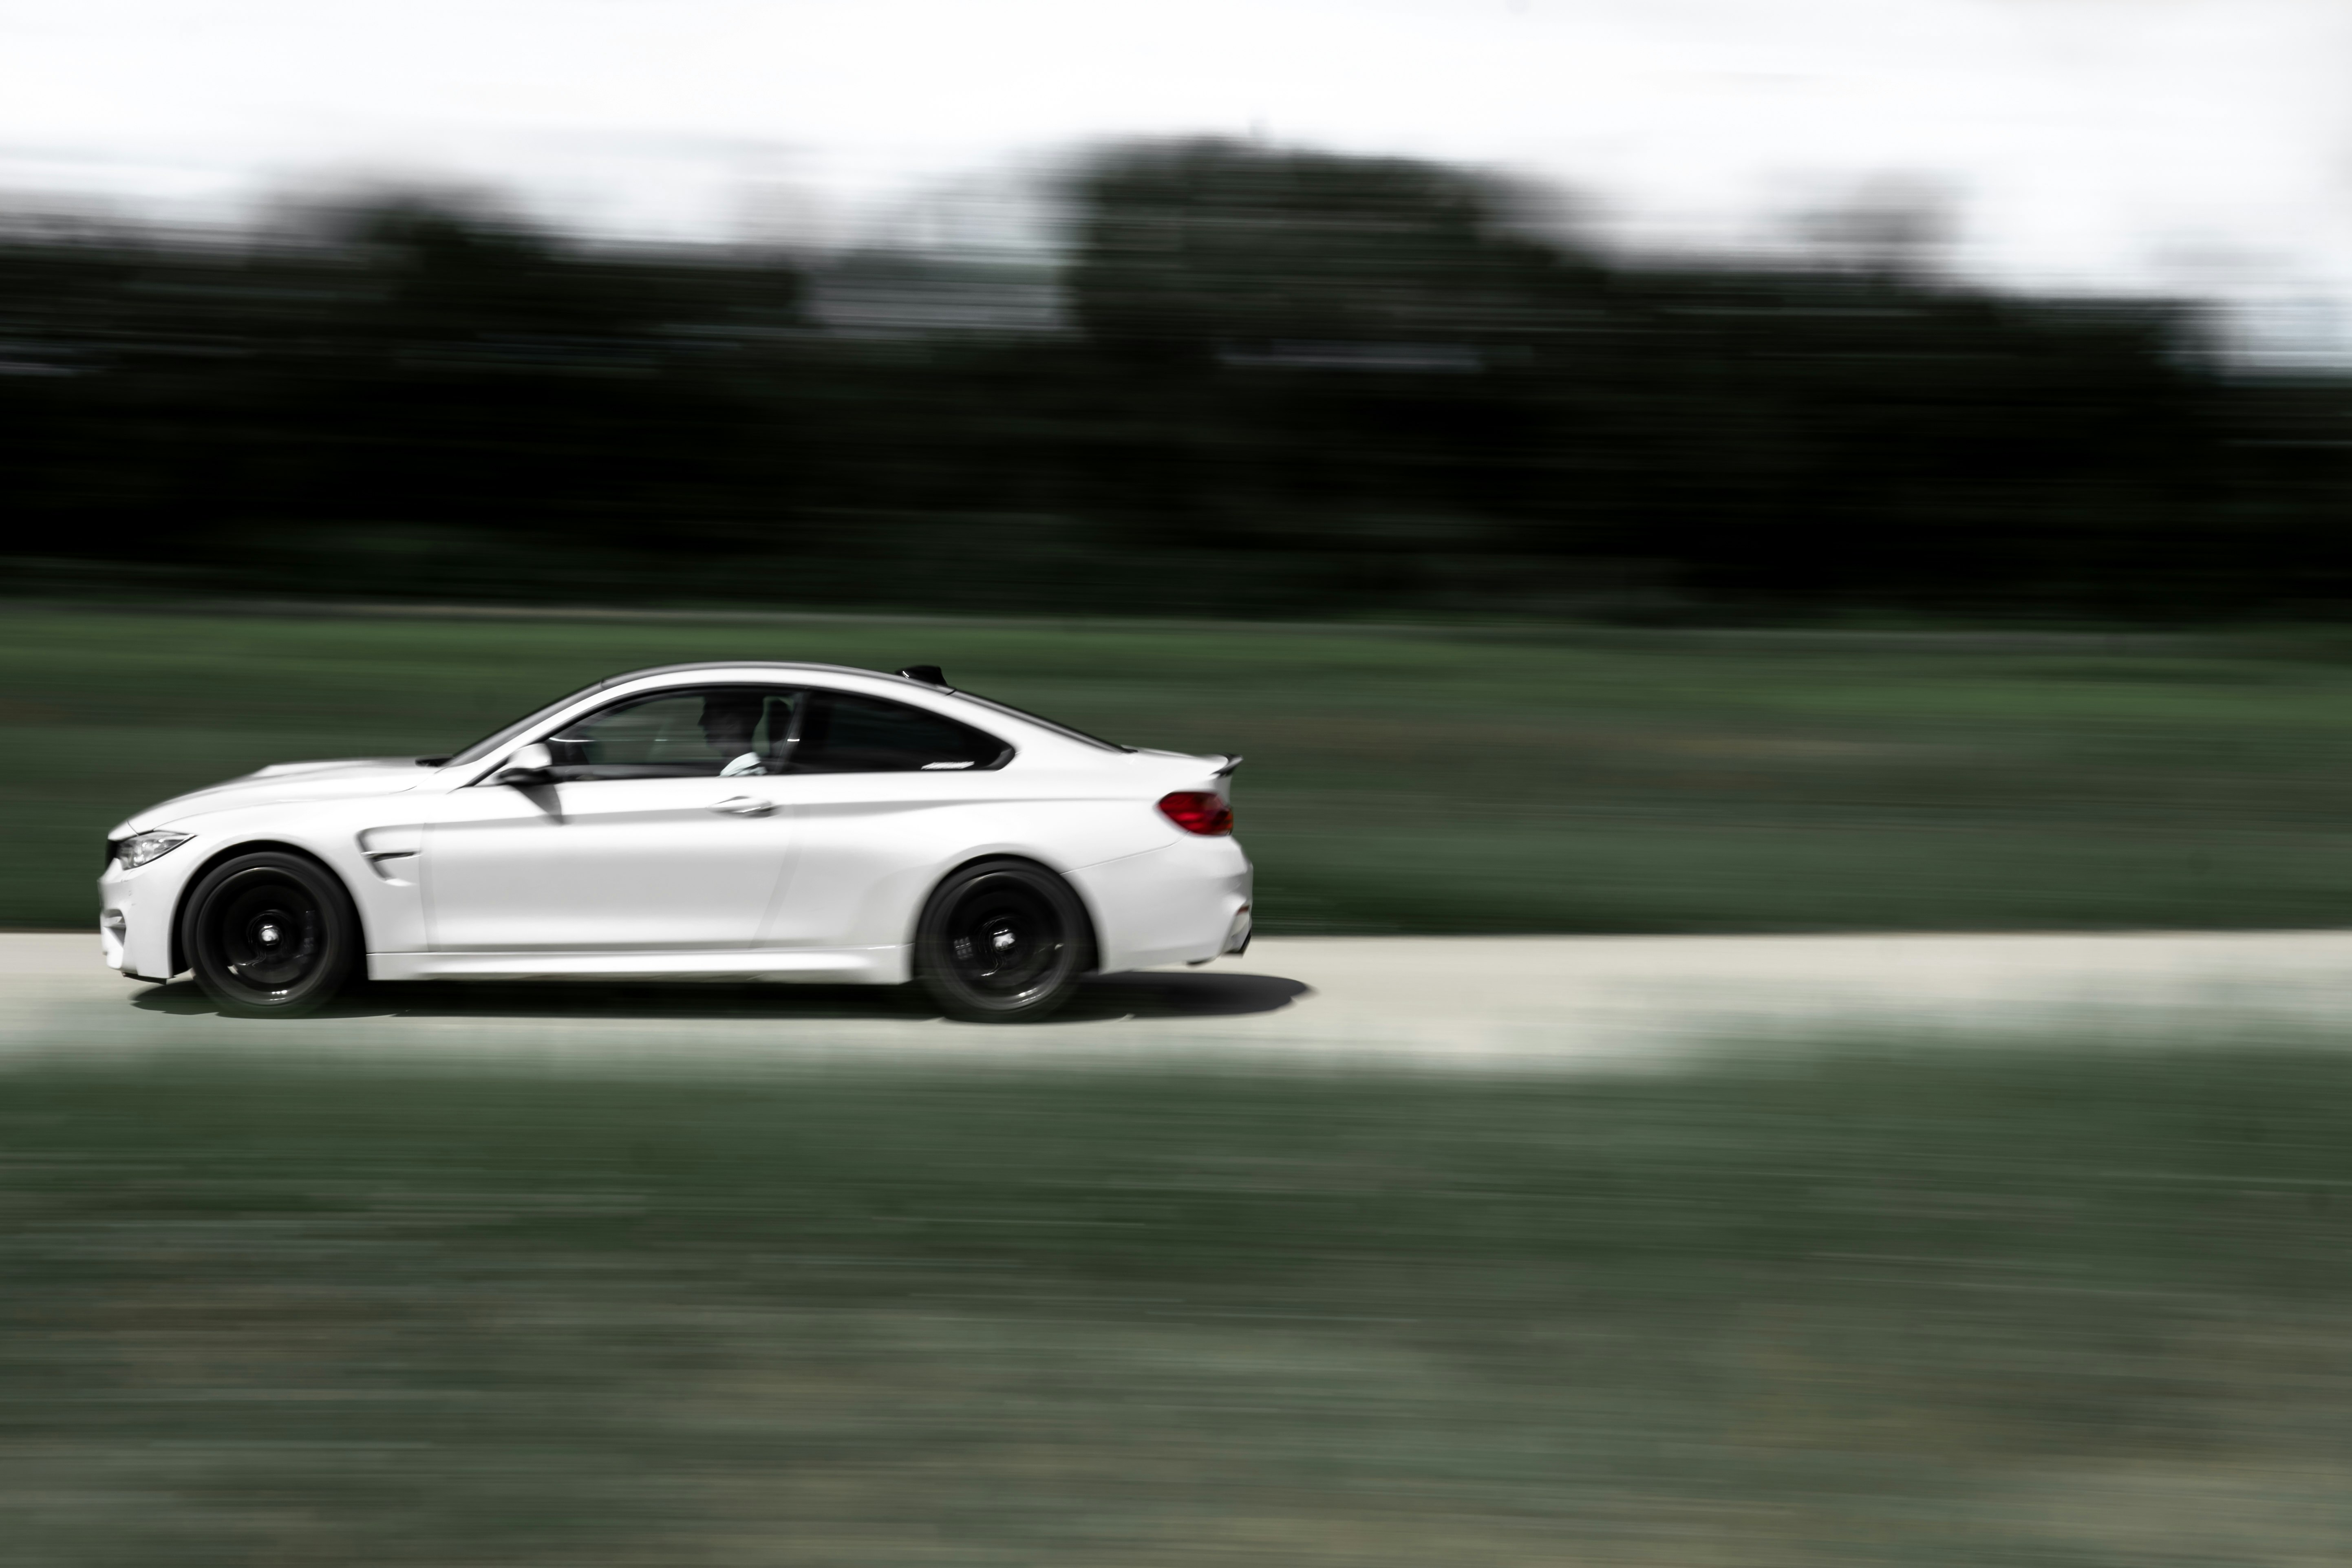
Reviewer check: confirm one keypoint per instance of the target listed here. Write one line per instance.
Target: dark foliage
(1261, 383)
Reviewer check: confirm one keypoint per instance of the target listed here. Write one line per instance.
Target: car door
(660, 830)
(882, 791)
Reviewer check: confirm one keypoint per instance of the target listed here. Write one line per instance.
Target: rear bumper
(1237, 935)
(1183, 903)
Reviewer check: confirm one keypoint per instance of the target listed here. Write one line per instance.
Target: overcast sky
(2195, 144)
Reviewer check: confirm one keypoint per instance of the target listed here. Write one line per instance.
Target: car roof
(759, 664)
(998, 711)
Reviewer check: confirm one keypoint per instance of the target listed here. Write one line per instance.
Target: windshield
(1058, 728)
(492, 742)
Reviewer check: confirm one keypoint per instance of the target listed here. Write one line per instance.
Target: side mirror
(531, 764)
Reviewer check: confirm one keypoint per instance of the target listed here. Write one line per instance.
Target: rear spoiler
(1232, 761)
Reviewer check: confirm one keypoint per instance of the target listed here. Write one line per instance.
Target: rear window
(842, 733)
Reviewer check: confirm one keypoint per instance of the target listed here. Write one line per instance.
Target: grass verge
(2049, 1307)
(1396, 781)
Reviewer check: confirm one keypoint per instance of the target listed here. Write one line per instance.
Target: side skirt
(828, 966)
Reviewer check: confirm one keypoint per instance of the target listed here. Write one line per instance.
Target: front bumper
(135, 916)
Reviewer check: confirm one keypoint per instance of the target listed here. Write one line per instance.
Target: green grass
(2035, 1308)
(1420, 781)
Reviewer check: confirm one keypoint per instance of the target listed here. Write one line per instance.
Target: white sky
(2203, 145)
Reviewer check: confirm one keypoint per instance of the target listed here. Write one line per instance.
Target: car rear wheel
(270, 934)
(1003, 942)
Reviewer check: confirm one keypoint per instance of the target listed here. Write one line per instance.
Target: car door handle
(743, 805)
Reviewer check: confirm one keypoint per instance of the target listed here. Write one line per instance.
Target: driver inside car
(729, 718)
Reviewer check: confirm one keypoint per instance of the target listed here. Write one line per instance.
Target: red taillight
(1197, 811)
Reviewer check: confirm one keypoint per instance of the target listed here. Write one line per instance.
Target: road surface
(1510, 1002)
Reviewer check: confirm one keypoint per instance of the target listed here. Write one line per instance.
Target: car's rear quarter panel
(870, 856)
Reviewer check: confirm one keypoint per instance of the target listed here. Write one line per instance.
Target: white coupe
(795, 822)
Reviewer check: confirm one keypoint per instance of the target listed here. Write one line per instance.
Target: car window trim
(555, 716)
(557, 719)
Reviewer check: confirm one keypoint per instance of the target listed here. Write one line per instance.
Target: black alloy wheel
(1003, 942)
(270, 934)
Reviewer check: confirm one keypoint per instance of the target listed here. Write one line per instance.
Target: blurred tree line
(1256, 382)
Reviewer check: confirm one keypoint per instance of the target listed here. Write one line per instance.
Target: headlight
(141, 848)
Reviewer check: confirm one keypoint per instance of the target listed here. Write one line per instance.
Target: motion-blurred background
(1235, 379)
(1354, 309)
(1612, 466)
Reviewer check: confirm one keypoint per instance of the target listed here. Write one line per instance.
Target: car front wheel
(270, 934)
(1003, 942)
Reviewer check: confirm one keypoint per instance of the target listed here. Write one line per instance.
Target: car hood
(281, 782)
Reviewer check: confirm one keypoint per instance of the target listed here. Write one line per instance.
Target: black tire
(1001, 941)
(270, 934)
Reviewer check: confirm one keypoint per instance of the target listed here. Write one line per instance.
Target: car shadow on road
(1104, 999)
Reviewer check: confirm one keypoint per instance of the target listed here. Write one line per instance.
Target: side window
(703, 732)
(844, 734)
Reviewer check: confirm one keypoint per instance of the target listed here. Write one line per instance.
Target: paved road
(1522, 1003)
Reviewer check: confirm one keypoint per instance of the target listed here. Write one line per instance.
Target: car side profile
(791, 822)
